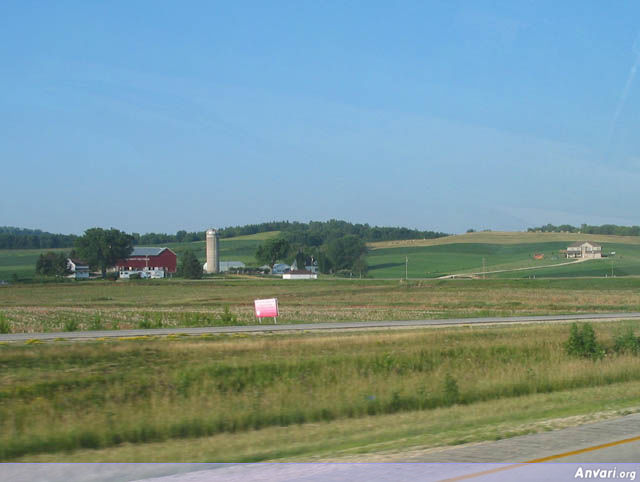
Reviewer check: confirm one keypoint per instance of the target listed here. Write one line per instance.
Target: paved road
(558, 455)
(616, 440)
(79, 335)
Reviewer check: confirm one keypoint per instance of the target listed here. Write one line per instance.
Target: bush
(582, 342)
(627, 342)
(70, 324)
(145, 324)
(227, 317)
(96, 322)
(5, 327)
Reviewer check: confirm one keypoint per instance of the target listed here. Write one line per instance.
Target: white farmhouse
(585, 250)
(78, 269)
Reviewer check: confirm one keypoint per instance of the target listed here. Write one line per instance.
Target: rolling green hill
(464, 254)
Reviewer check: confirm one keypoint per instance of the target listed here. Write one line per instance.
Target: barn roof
(580, 243)
(146, 251)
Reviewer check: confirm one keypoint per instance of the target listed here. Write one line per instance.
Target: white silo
(213, 260)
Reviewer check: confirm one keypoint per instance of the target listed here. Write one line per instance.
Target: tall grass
(55, 398)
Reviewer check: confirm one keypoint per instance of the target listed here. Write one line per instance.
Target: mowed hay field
(509, 252)
(300, 397)
(22, 262)
(173, 303)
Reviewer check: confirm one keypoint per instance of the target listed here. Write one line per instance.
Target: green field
(301, 397)
(446, 259)
(432, 258)
(22, 262)
(466, 254)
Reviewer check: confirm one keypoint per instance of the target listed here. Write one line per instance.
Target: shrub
(70, 324)
(145, 324)
(5, 327)
(96, 322)
(582, 342)
(227, 317)
(627, 342)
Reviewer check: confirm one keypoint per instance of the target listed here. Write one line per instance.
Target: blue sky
(159, 116)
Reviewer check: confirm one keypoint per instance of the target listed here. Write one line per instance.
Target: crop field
(302, 397)
(22, 262)
(173, 303)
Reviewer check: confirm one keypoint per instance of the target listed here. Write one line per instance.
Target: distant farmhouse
(584, 250)
(154, 262)
(78, 269)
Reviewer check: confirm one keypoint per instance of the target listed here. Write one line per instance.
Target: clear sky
(159, 116)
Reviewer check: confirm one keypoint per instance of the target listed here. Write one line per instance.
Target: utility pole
(484, 268)
(406, 268)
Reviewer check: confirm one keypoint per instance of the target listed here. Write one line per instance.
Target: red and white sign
(266, 308)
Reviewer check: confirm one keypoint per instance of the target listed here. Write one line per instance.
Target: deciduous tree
(102, 248)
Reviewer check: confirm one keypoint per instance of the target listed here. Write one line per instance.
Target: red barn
(150, 258)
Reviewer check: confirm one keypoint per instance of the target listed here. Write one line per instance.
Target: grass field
(22, 262)
(174, 303)
(477, 252)
(431, 258)
(301, 397)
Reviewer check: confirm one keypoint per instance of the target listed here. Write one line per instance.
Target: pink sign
(266, 308)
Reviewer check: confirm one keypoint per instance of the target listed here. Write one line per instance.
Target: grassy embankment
(22, 262)
(299, 397)
(163, 303)
(501, 251)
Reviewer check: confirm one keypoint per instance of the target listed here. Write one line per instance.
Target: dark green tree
(344, 251)
(52, 264)
(300, 259)
(102, 248)
(272, 251)
(190, 267)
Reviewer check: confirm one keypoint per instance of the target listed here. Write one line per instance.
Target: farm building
(280, 268)
(299, 274)
(225, 266)
(584, 249)
(78, 269)
(146, 259)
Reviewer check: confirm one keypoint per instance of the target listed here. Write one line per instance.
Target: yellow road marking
(544, 459)
(588, 449)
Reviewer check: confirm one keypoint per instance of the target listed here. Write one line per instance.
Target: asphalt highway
(270, 327)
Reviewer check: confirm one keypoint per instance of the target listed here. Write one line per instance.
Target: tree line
(613, 229)
(314, 233)
(21, 238)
